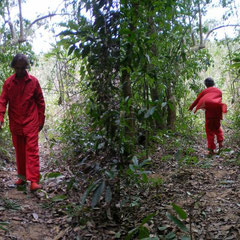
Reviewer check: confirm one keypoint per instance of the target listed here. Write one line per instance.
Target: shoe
(34, 186)
(20, 182)
(220, 144)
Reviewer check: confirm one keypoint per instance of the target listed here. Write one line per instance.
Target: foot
(220, 144)
(20, 182)
(35, 186)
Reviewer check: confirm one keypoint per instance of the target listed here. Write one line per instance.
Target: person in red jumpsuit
(210, 99)
(23, 95)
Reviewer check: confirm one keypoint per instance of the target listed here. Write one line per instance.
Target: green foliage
(96, 44)
(182, 214)
(141, 232)
(3, 226)
(137, 172)
(58, 198)
(101, 190)
(178, 222)
(52, 175)
(157, 64)
(9, 204)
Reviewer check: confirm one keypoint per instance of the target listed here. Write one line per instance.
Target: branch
(21, 37)
(203, 45)
(216, 28)
(200, 24)
(43, 17)
(10, 22)
(20, 40)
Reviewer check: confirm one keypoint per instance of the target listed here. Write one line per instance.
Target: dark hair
(209, 82)
(20, 57)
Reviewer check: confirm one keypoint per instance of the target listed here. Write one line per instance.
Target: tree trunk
(172, 109)
(21, 36)
(129, 129)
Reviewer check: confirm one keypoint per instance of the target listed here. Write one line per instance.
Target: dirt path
(209, 191)
(206, 188)
(28, 215)
(23, 211)
(216, 214)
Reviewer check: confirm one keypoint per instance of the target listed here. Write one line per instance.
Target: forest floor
(53, 212)
(28, 215)
(206, 188)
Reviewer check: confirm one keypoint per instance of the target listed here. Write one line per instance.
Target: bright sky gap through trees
(44, 38)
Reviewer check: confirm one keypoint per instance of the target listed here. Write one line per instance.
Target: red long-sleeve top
(26, 104)
(210, 99)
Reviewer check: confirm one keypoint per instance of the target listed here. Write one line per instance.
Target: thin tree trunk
(129, 130)
(172, 109)
(13, 33)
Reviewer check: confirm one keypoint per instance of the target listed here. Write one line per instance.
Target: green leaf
(162, 228)
(22, 188)
(77, 53)
(58, 198)
(4, 224)
(71, 49)
(66, 33)
(143, 232)
(147, 218)
(148, 58)
(149, 112)
(164, 104)
(185, 238)
(131, 233)
(73, 25)
(170, 236)
(235, 65)
(85, 51)
(132, 167)
(70, 184)
(101, 145)
(181, 213)
(108, 194)
(97, 193)
(135, 160)
(21, 177)
(53, 175)
(177, 222)
(89, 189)
(144, 177)
(150, 238)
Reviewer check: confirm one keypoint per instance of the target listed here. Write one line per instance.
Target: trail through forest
(208, 191)
(27, 214)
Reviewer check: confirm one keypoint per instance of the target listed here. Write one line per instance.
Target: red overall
(26, 116)
(210, 99)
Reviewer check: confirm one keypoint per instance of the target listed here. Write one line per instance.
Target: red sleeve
(3, 102)
(40, 104)
(201, 94)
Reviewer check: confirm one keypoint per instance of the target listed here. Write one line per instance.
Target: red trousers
(27, 156)
(213, 127)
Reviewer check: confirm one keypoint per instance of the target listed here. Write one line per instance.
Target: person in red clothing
(23, 95)
(210, 99)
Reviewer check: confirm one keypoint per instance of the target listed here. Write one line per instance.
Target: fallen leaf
(35, 216)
